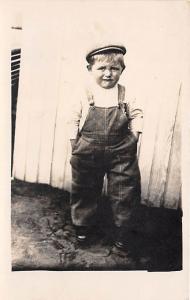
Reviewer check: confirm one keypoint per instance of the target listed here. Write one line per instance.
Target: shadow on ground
(44, 239)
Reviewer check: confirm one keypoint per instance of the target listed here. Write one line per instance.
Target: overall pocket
(82, 147)
(128, 147)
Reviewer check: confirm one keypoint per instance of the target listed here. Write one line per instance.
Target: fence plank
(35, 115)
(147, 147)
(173, 182)
(61, 169)
(46, 147)
(60, 172)
(20, 145)
(48, 121)
(33, 148)
(162, 150)
(59, 154)
(67, 178)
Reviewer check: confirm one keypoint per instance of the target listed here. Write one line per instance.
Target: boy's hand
(72, 142)
(136, 135)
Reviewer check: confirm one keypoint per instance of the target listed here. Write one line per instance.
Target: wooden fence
(42, 150)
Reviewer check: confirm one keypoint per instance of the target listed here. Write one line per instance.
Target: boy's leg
(87, 182)
(124, 193)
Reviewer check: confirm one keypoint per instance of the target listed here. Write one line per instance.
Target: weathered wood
(20, 146)
(162, 150)
(42, 148)
(173, 180)
(33, 148)
(46, 147)
(67, 176)
(60, 169)
(60, 153)
(35, 115)
(151, 116)
(48, 125)
(28, 116)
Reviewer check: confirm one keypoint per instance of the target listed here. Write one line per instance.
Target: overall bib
(105, 145)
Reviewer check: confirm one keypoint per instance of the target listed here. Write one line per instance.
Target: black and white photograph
(96, 94)
(94, 154)
(94, 151)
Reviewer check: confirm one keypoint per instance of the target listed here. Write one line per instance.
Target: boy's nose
(107, 73)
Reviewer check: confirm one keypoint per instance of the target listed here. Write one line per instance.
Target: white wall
(55, 39)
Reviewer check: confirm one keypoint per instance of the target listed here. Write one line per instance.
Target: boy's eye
(115, 68)
(101, 68)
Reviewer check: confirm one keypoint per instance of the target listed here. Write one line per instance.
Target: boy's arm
(136, 117)
(74, 121)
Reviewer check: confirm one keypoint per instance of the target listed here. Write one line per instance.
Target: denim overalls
(105, 145)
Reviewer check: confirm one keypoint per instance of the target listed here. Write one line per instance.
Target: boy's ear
(89, 67)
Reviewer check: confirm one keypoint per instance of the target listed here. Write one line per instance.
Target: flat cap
(106, 49)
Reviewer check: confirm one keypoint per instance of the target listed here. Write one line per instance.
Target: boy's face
(106, 72)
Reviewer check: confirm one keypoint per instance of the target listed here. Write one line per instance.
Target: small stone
(60, 233)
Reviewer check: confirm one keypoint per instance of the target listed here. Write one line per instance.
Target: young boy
(104, 134)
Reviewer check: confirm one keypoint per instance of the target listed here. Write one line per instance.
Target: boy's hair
(109, 56)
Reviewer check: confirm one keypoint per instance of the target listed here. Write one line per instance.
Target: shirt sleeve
(136, 116)
(74, 117)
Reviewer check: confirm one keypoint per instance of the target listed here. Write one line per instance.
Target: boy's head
(106, 65)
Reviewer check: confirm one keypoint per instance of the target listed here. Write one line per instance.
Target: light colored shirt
(103, 98)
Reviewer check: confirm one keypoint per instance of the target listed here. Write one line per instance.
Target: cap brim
(107, 49)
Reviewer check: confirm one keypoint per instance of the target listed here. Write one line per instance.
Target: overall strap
(121, 100)
(90, 97)
(121, 93)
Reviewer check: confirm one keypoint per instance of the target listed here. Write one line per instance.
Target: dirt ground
(43, 237)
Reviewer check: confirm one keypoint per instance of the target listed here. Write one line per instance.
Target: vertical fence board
(30, 109)
(33, 148)
(147, 146)
(20, 146)
(35, 115)
(49, 119)
(67, 177)
(162, 150)
(59, 155)
(46, 147)
(173, 182)
(61, 148)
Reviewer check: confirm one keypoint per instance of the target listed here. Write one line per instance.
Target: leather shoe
(82, 233)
